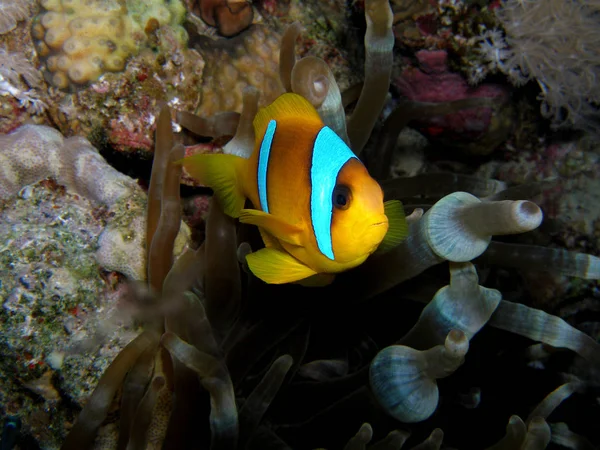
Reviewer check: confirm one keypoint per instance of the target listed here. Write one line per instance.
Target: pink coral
(195, 150)
(125, 137)
(433, 82)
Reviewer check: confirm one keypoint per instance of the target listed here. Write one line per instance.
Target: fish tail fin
(397, 229)
(224, 175)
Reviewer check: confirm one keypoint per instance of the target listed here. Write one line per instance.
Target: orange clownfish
(318, 210)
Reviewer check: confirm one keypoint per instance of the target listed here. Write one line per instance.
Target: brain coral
(34, 152)
(82, 39)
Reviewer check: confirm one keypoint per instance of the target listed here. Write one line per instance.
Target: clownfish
(317, 208)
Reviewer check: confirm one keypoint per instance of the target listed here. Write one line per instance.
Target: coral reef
(60, 313)
(80, 40)
(11, 12)
(563, 62)
(387, 357)
(124, 121)
(288, 366)
(477, 130)
(230, 17)
(23, 98)
(69, 221)
(18, 78)
(249, 59)
(34, 152)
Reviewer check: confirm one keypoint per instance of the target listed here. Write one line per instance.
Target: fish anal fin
(317, 280)
(223, 174)
(397, 228)
(277, 267)
(277, 227)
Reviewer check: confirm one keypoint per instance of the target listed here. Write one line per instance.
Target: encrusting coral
(225, 360)
(59, 308)
(248, 59)
(35, 152)
(80, 40)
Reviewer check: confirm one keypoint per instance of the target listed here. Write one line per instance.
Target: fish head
(359, 223)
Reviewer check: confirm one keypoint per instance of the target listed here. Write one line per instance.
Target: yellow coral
(82, 39)
(249, 59)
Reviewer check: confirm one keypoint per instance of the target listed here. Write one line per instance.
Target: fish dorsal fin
(277, 267)
(397, 228)
(286, 106)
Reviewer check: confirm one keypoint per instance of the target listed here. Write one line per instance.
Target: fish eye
(341, 197)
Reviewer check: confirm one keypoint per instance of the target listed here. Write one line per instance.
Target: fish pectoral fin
(277, 267)
(277, 227)
(222, 174)
(397, 228)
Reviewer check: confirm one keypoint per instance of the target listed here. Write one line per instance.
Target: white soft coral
(11, 12)
(553, 42)
(493, 48)
(19, 78)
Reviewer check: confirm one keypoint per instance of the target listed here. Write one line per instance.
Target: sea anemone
(227, 361)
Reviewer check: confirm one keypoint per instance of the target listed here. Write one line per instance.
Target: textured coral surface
(250, 59)
(63, 239)
(60, 311)
(81, 39)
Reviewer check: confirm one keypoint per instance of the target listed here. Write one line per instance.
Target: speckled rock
(125, 120)
(65, 314)
(61, 319)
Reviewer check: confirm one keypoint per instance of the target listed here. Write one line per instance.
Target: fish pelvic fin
(269, 240)
(277, 267)
(274, 225)
(224, 175)
(397, 228)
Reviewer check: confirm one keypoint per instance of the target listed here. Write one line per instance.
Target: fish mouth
(382, 220)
